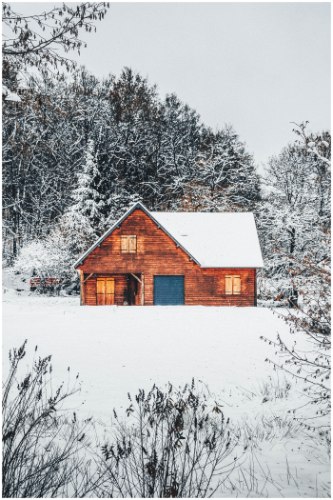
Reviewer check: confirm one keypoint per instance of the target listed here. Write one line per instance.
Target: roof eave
(234, 266)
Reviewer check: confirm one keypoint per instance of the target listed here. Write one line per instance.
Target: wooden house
(173, 258)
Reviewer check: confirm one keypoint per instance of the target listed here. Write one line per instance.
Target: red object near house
(173, 258)
(38, 282)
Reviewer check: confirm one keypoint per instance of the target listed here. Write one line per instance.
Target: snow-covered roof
(215, 239)
(211, 239)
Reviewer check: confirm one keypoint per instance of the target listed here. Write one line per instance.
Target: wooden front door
(105, 291)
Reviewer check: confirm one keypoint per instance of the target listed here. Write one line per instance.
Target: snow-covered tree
(294, 216)
(225, 178)
(179, 142)
(84, 219)
(129, 153)
(294, 223)
(145, 148)
(34, 40)
(317, 148)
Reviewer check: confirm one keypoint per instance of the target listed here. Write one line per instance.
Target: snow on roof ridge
(199, 213)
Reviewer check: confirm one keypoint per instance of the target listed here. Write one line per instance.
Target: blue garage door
(168, 290)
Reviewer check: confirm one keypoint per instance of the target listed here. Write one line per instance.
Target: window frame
(234, 289)
(125, 244)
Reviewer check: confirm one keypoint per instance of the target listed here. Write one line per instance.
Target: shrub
(312, 319)
(173, 444)
(45, 259)
(41, 445)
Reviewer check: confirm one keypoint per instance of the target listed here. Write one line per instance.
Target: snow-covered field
(117, 350)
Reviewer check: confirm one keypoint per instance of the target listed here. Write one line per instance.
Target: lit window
(128, 244)
(232, 285)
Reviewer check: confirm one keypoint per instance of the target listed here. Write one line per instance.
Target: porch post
(81, 287)
(142, 290)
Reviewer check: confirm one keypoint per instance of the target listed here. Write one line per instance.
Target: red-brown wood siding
(158, 254)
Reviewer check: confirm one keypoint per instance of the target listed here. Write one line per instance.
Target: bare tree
(41, 40)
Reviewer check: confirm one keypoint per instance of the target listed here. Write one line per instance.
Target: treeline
(77, 154)
(91, 147)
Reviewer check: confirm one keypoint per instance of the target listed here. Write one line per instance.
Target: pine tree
(84, 220)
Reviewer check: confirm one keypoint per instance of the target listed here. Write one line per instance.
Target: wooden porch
(112, 289)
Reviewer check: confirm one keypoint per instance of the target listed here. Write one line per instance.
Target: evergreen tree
(84, 219)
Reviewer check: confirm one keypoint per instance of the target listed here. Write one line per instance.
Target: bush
(312, 319)
(172, 445)
(42, 448)
(45, 259)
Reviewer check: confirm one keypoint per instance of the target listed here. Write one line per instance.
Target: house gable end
(108, 242)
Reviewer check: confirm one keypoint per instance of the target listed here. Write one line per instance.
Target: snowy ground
(117, 350)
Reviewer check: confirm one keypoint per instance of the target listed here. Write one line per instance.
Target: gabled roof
(217, 239)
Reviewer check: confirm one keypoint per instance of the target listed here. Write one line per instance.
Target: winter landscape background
(78, 150)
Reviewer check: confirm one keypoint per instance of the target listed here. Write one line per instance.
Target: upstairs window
(128, 244)
(232, 285)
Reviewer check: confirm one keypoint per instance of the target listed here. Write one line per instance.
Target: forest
(77, 154)
(79, 150)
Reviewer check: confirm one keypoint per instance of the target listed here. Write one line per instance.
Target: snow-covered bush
(48, 258)
(273, 291)
(175, 443)
(313, 319)
(33, 260)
